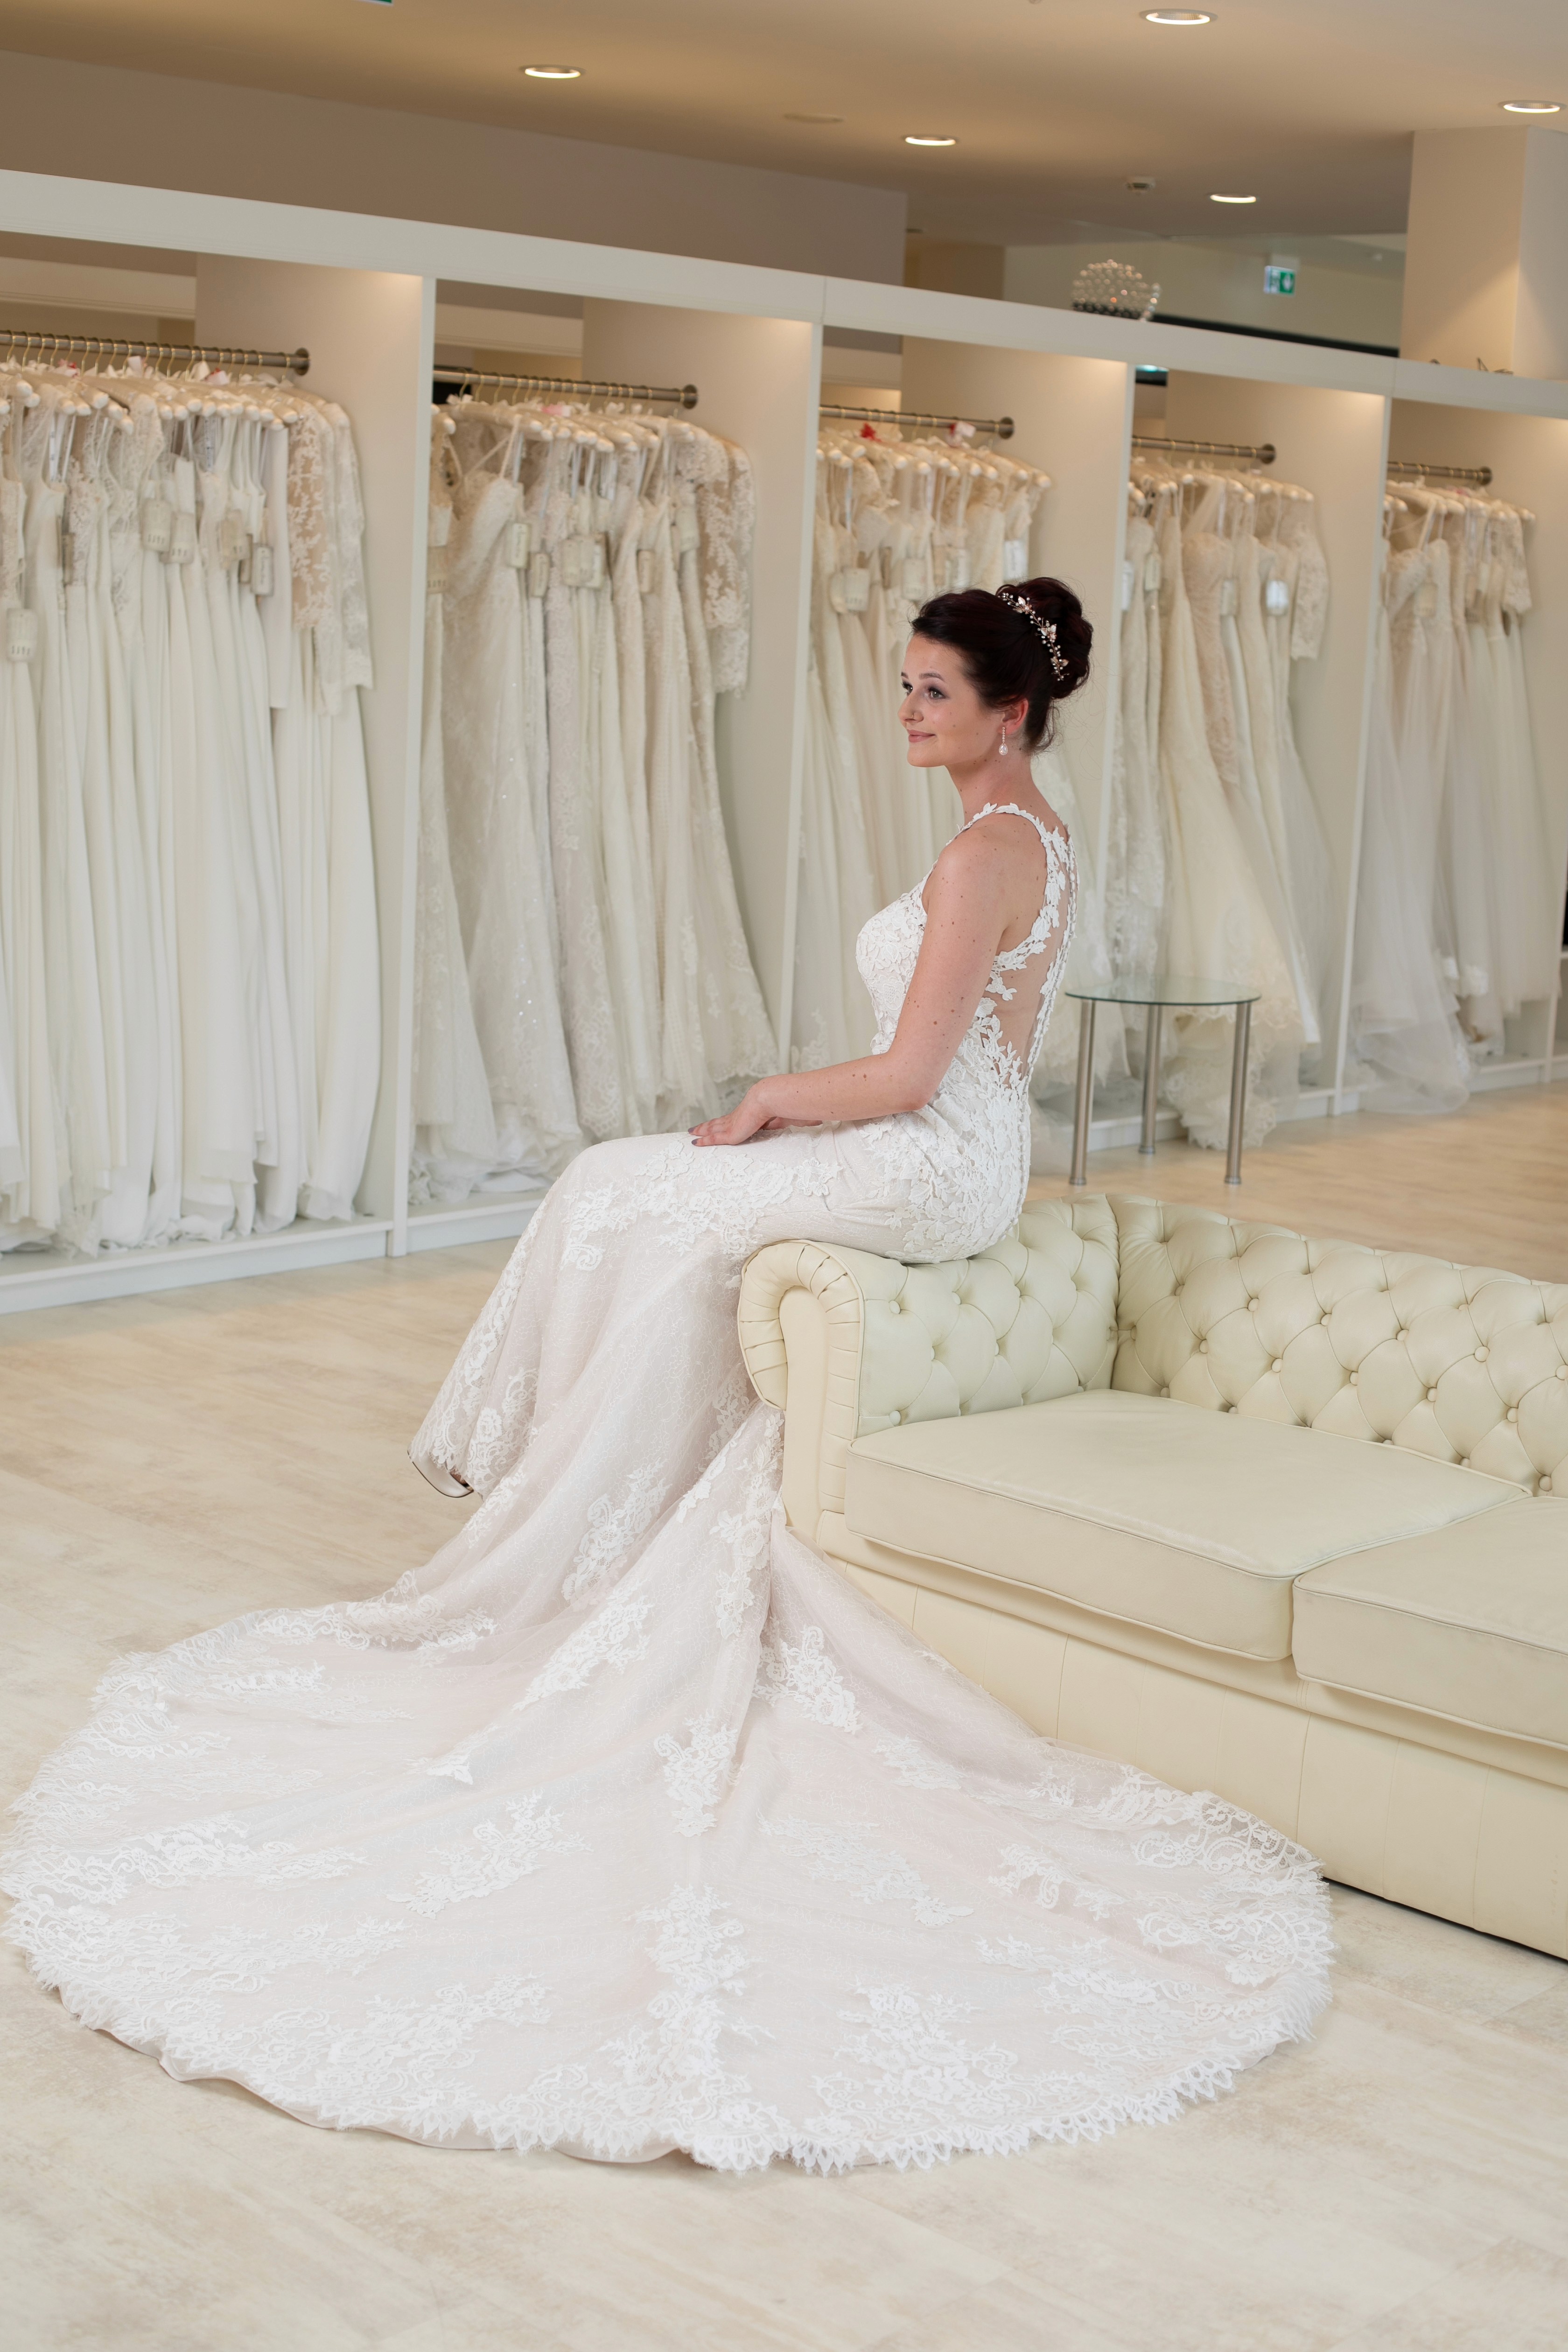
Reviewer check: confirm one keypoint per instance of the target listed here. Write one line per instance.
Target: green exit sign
(1279, 280)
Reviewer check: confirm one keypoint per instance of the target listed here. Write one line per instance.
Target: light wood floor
(1399, 2186)
(1487, 1185)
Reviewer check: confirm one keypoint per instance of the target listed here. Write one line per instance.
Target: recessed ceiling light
(1177, 17)
(1531, 106)
(1233, 200)
(915, 139)
(554, 73)
(813, 118)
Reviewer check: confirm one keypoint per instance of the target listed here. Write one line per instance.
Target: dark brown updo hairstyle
(1003, 654)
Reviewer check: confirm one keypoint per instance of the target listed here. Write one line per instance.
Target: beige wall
(1486, 280)
(154, 130)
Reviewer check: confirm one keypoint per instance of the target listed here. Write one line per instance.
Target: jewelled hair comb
(1045, 630)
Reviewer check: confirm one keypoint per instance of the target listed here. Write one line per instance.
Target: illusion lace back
(631, 1824)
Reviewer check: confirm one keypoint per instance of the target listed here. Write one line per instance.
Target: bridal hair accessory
(1045, 630)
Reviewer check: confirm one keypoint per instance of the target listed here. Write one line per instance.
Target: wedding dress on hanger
(1467, 894)
(738, 1039)
(1290, 615)
(1537, 887)
(77, 1043)
(489, 819)
(1134, 888)
(1218, 926)
(1210, 581)
(1523, 900)
(454, 1139)
(1402, 1015)
(838, 892)
(631, 1824)
(184, 730)
(30, 1193)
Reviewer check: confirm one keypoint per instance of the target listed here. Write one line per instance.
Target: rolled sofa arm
(847, 1342)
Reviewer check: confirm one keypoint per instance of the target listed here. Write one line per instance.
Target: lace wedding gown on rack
(631, 1825)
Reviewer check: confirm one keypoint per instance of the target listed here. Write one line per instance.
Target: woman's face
(945, 723)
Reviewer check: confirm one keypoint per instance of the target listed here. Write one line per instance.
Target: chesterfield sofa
(1282, 1519)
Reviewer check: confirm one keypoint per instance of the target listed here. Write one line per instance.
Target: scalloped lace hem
(1303, 1996)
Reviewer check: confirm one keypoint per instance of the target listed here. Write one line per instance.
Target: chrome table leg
(1150, 1081)
(1237, 1093)
(1083, 1104)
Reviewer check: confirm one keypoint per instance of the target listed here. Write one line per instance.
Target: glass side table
(1161, 992)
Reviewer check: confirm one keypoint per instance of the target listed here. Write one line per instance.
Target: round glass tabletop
(1165, 988)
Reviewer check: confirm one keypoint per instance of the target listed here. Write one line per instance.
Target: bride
(631, 1824)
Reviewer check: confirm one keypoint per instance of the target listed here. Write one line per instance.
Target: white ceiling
(1309, 104)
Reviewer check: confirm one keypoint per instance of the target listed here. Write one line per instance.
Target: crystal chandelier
(1115, 289)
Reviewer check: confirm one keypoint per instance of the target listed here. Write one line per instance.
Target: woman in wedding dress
(631, 1824)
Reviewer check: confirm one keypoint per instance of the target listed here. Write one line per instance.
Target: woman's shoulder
(998, 835)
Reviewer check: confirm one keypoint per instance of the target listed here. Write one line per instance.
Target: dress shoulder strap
(1011, 808)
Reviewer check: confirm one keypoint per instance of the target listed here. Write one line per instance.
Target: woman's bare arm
(968, 910)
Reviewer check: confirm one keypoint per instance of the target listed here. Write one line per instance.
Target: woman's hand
(755, 1114)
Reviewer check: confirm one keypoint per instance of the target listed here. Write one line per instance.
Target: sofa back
(1462, 1363)
(1032, 1318)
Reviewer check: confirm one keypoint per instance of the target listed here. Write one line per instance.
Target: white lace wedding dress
(631, 1825)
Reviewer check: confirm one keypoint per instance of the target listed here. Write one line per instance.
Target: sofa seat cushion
(1193, 1521)
(1471, 1621)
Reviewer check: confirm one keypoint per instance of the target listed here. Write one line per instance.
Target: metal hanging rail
(585, 388)
(1480, 475)
(1263, 452)
(37, 350)
(1002, 426)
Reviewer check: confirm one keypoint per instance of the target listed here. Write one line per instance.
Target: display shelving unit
(360, 291)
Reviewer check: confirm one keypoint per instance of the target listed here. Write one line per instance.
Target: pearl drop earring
(1002, 753)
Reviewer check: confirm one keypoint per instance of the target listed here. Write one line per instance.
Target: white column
(1486, 271)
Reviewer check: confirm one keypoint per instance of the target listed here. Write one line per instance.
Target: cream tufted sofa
(1279, 1517)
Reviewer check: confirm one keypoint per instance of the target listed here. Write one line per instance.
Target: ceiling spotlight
(915, 139)
(1143, 188)
(1177, 17)
(554, 73)
(1531, 106)
(1233, 200)
(813, 118)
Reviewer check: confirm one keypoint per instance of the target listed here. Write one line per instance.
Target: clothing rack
(39, 349)
(1263, 452)
(1002, 426)
(1480, 475)
(672, 396)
